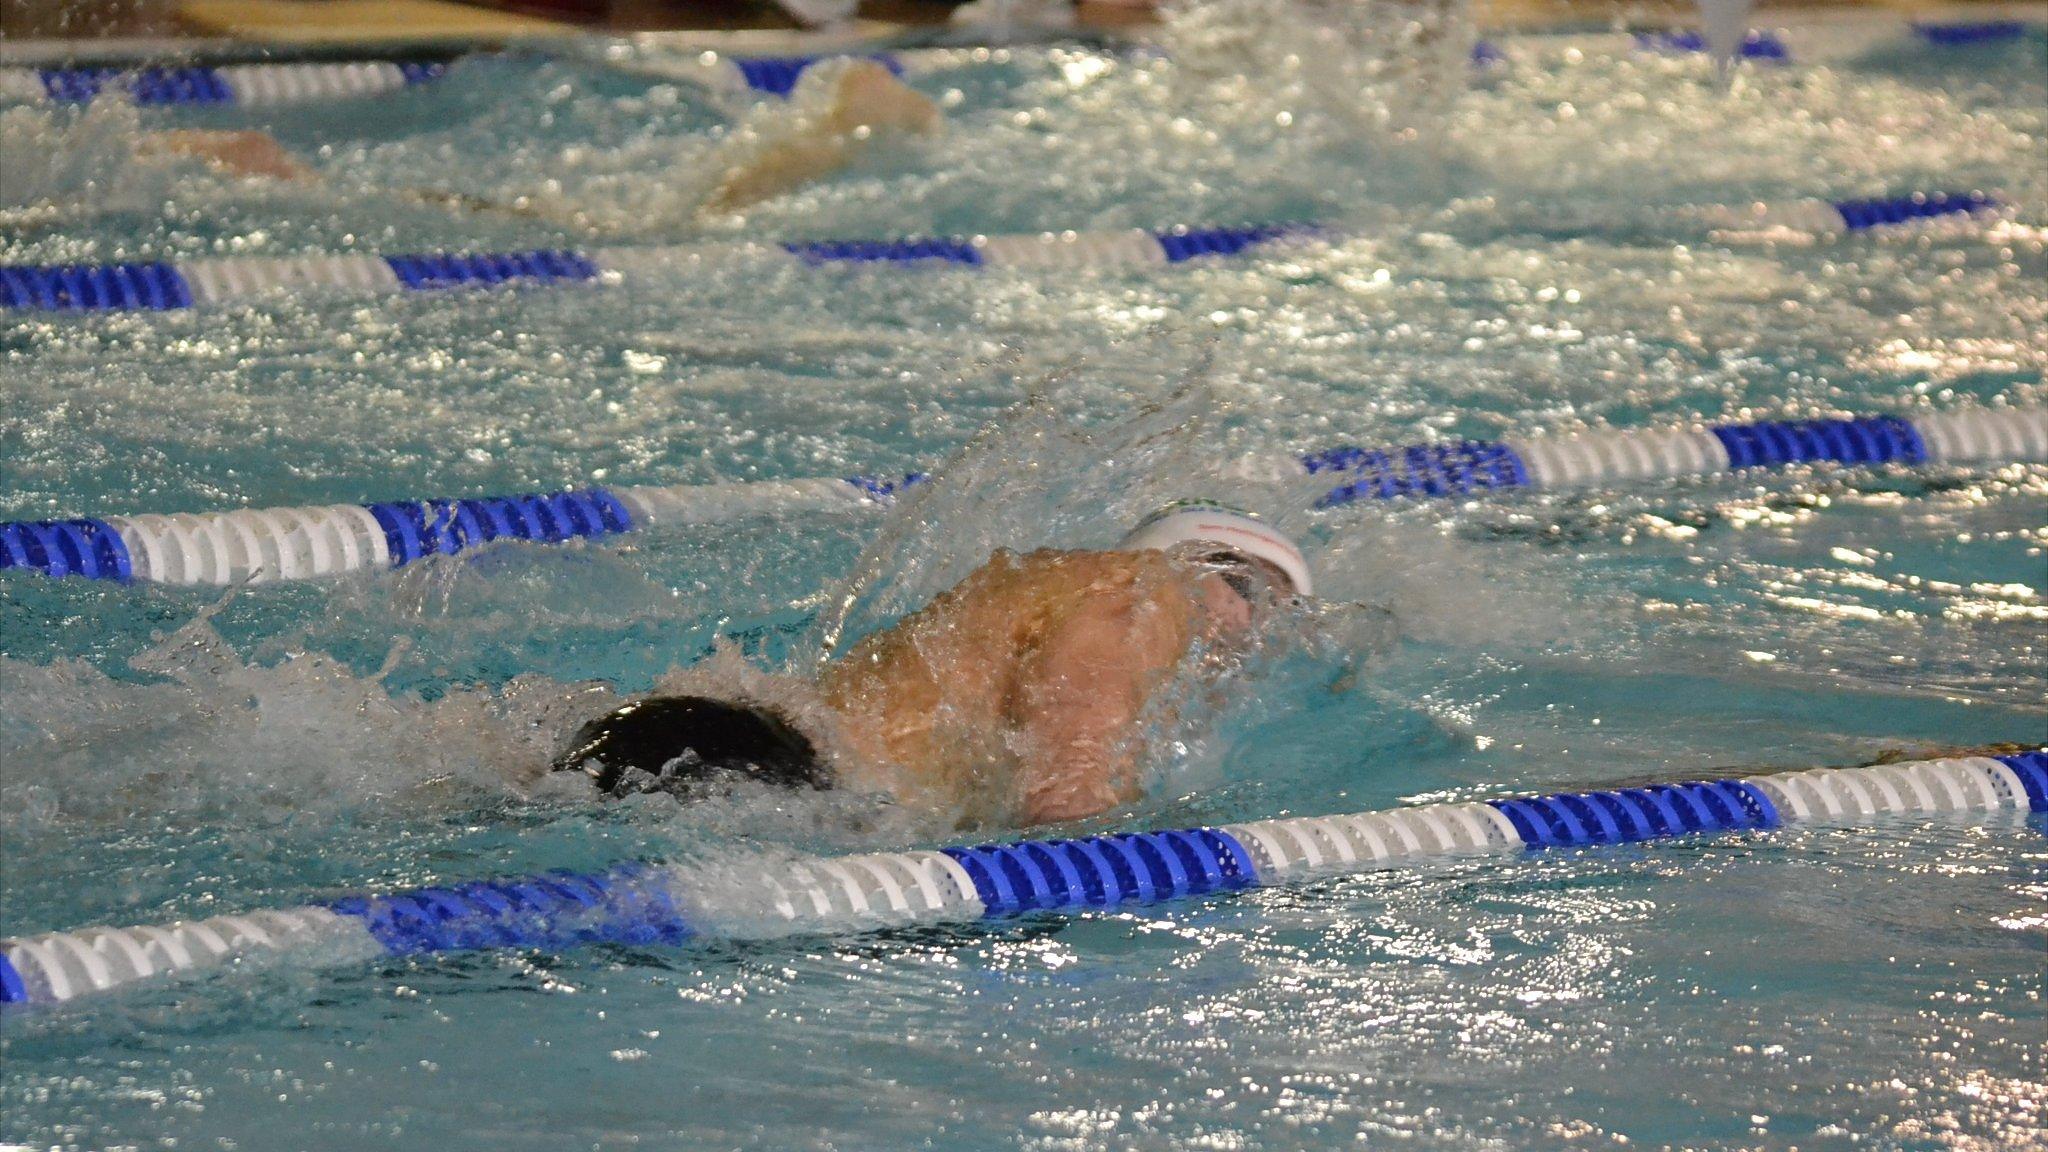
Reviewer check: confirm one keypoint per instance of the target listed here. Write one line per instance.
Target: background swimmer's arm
(238, 153)
(1081, 693)
(868, 95)
(259, 154)
(867, 100)
(784, 168)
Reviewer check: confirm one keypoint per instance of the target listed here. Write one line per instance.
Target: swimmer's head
(663, 743)
(1211, 532)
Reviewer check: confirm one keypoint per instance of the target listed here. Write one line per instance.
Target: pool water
(1516, 254)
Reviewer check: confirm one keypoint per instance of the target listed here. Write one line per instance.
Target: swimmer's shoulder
(1055, 581)
(1058, 573)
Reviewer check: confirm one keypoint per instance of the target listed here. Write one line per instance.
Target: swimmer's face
(1235, 589)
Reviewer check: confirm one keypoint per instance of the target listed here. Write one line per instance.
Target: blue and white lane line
(644, 904)
(308, 81)
(165, 285)
(1606, 456)
(257, 85)
(263, 544)
(162, 285)
(240, 84)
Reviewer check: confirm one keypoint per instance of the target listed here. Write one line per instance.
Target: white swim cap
(1229, 530)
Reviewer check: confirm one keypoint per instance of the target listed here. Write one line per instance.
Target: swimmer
(1015, 698)
(840, 110)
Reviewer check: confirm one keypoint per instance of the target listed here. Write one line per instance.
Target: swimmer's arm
(1081, 694)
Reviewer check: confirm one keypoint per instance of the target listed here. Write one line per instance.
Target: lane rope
(299, 82)
(255, 85)
(654, 904)
(252, 85)
(301, 543)
(167, 285)
(162, 285)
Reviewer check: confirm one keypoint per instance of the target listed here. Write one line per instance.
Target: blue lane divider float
(1967, 33)
(1630, 814)
(424, 272)
(1190, 244)
(552, 910)
(89, 548)
(1103, 871)
(144, 85)
(1419, 470)
(1858, 215)
(885, 251)
(261, 544)
(881, 488)
(414, 529)
(1868, 440)
(94, 287)
(778, 75)
(646, 904)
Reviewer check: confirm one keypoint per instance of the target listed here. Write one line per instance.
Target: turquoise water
(1518, 261)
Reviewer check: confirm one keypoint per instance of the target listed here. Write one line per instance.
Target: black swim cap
(681, 739)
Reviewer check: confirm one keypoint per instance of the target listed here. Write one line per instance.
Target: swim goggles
(1228, 530)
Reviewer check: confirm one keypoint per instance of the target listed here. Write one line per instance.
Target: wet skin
(1017, 696)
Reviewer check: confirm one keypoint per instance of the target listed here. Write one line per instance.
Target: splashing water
(59, 163)
(1339, 68)
(1726, 23)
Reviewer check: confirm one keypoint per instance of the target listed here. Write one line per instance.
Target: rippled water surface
(1518, 248)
